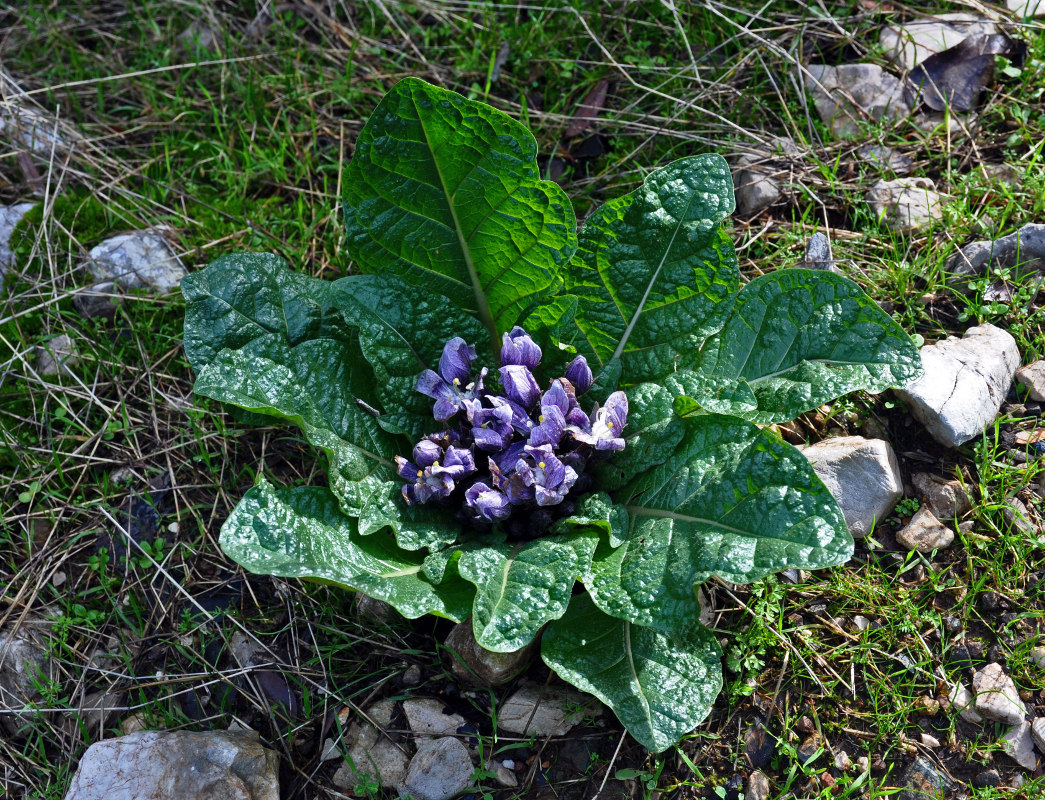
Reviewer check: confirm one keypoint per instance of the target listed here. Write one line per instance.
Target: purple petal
(443, 409)
(579, 374)
(557, 397)
(455, 364)
(429, 383)
(489, 503)
(549, 431)
(518, 491)
(577, 418)
(519, 385)
(507, 460)
(519, 349)
(427, 452)
(457, 463)
(408, 471)
(491, 440)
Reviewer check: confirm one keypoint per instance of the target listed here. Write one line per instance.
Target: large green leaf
(277, 343)
(654, 272)
(247, 296)
(801, 338)
(402, 330)
(523, 586)
(597, 513)
(651, 434)
(302, 533)
(732, 500)
(660, 685)
(445, 192)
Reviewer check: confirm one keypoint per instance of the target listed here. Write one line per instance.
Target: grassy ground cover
(229, 123)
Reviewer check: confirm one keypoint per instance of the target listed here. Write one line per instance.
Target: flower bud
(579, 374)
(517, 348)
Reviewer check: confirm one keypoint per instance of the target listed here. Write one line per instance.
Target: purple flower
(546, 474)
(518, 348)
(487, 503)
(519, 385)
(433, 478)
(450, 386)
(579, 374)
(603, 428)
(556, 403)
(491, 427)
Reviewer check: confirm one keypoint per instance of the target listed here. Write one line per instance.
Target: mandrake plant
(554, 432)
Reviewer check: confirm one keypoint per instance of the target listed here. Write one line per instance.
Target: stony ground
(214, 127)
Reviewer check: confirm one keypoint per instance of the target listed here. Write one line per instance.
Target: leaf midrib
(482, 306)
(649, 286)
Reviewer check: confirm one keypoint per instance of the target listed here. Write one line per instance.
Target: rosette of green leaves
(453, 232)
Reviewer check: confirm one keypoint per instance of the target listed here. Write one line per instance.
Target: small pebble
(508, 763)
(987, 779)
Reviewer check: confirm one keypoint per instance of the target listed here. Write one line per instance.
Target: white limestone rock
(372, 755)
(427, 718)
(440, 769)
(1018, 744)
(32, 130)
(173, 765)
(945, 498)
(1033, 377)
(57, 355)
(925, 533)
(757, 176)
(996, 696)
(849, 96)
(1037, 732)
(10, 216)
(137, 260)
(1026, 8)
(863, 476)
(544, 710)
(964, 702)
(906, 204)
(910, 44)
(964, 384)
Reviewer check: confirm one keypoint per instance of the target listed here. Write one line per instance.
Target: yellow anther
(540, 417)
(457, 381)
(540, 464)
(420, 473)
(609, 424)
(435, 463)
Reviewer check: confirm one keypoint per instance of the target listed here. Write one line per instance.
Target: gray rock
(98, 300)
(1037, 732)
(412, 676)
(371, 609)
(1005, 174)
(1033, 377)
(10, 216)
(479, 666)
(1026, 8)
(922, 780)
(964, 384)
(818, 255)
(906, 204)
(862, 474)
(200, 33)
(440, 769)
(925, 533)
(137, 260)
(996, 696)
(172, 765)
(1019, 517)
(502, 775)
(544, 710)
(945, 498)
(908, 45)
(851, 95)
(757, 786)
(23, 666)
(1037, 655)
(757, 176)
(887, 158)
(427, 718)
(1025, 248)
(930, 741)
(1019, 746)
(371, 755)
(57, 355)
(32, 130)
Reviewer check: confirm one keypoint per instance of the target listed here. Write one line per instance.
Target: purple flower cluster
(521, 449)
